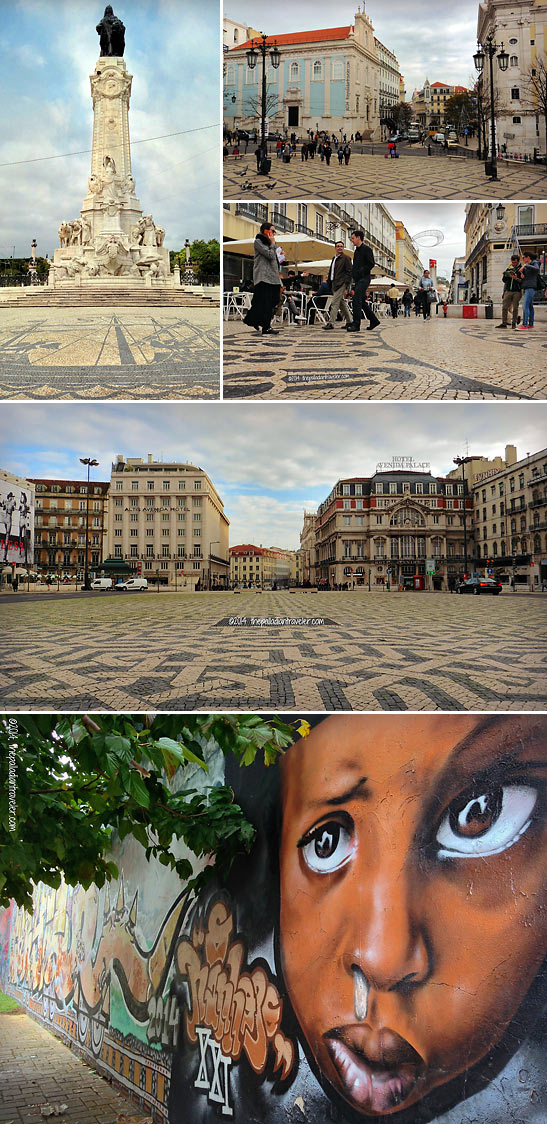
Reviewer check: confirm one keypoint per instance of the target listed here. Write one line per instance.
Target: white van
(133, 583)
(101, 583)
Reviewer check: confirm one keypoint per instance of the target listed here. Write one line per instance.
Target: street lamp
(259, 47)
(463, 461)
(90, 464)
(215, 542)
(489, 50)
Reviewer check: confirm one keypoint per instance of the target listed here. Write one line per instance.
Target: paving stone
(414, 176)
(33, 1059)
(358, 662)
(60, 354)
(402, 358)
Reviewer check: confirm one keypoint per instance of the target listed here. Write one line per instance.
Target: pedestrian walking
(512, 279)
(266, 281)
(347, 154)
(393, 299)
(340, 156)
(407, 301)
(363, 264)
(339, 280)
(328, 152)
(427, 294)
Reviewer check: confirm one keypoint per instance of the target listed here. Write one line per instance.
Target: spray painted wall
(379, 954)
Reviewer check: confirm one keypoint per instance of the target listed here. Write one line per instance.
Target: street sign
(430, 566)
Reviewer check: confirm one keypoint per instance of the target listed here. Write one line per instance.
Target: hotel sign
(403, 464)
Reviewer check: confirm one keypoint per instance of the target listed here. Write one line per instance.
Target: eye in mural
(400, 866)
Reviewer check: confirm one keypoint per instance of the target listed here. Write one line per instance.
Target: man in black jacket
(339, 279)
(363, 264)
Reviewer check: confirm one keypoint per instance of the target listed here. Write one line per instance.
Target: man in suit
(339, 280)
(363, 264)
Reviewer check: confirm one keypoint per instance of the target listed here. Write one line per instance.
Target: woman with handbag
(266, 281)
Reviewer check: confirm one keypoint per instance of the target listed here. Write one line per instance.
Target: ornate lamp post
(90, 464)
(489, 50)
(259, 47)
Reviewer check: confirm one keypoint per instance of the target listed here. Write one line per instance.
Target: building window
(166, 484)
(149, 550)
(294, 72)
(514, 60)
(338, 70)
(197, 485)
(515, 94)
(317, 71)
(516, 120)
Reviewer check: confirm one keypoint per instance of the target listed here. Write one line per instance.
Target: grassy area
(7, 1004)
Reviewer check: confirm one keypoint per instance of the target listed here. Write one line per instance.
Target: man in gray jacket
(266, 281)
(339, 279)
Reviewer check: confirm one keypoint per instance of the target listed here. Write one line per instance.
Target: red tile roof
(323, 36)
(245, 548)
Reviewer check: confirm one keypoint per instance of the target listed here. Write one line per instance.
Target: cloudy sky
(419, 218)
(270, 461)
(432, 39)
(48, 50)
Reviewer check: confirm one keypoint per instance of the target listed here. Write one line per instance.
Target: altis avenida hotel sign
(403, 464)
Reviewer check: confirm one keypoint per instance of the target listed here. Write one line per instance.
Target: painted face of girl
(413, 912)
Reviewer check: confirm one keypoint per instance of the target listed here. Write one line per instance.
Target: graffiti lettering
(163, 1024)
(217, 1087)
(242, 1010)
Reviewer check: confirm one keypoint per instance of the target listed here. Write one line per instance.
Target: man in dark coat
(339, 279)
(363, 264)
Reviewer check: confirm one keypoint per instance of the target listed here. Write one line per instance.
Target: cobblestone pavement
(378, 651)
(108, 353)
(400, 359)
(37, 1070)
(413, 176)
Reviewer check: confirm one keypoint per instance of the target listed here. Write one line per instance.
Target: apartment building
(65, 512)
(510, 518)
(493, 231)
(167, 522)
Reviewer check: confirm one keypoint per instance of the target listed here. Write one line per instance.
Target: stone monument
(112, 241)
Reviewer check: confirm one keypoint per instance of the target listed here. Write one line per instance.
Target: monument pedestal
(112, 239)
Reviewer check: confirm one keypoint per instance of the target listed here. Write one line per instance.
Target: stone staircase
(107, 297)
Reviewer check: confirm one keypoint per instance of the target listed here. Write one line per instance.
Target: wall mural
(379, 954)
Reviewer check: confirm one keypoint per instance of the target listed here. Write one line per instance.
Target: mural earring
(361, 988)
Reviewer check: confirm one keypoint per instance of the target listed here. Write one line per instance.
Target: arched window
(437, 547)
(514, 60)
(230, 76)
(503, 548)
(338, 70)
(317, 71)
(495, 549)
(537, 542)
(294, 72)
(236, 35)
(379, 548)
(513, 526)
(485, 550)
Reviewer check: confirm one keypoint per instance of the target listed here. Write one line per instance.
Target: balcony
(282, 222)
(301, 229)
(256, 211)
(538, 503)
(534, 230)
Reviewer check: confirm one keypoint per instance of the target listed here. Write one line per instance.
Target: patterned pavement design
(387, 651)
(413, 176)
(437, 359)
(109, 354)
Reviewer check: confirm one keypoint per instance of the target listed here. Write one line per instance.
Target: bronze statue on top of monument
(111, 33)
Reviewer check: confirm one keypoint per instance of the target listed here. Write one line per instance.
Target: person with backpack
(512, 292)
(407, 302)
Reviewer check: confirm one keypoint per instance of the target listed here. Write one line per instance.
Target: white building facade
(327, 80)
(521, 25)
(167, 521)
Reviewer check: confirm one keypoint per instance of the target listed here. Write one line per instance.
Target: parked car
(479, 585)
(101, 583)
(438, 138)
(133, 583)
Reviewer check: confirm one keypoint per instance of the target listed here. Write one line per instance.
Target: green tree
(460, 110)
(69, 782)
(205, 258)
